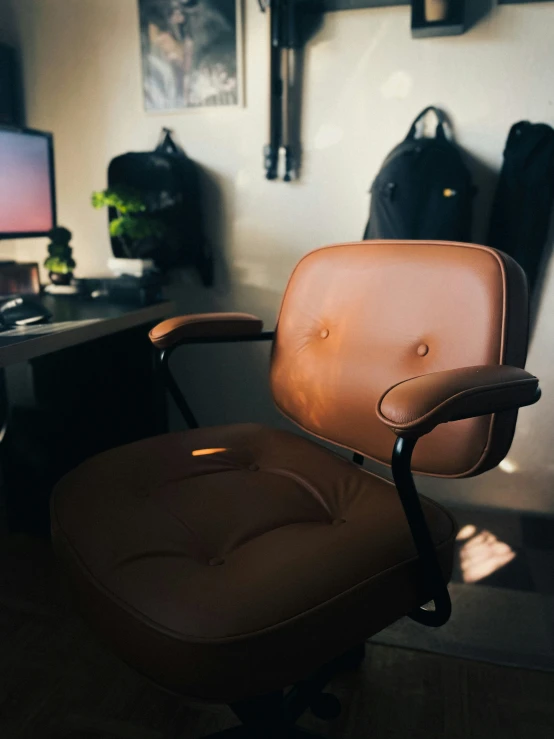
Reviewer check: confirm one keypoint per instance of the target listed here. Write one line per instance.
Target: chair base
(274, 716)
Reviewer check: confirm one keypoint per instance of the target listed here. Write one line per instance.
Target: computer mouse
(22, 312)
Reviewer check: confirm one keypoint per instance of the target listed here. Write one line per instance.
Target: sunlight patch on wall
(398, 86)
(327, 135)
(508, 466)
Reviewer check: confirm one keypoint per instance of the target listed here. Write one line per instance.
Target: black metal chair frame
(274, 716)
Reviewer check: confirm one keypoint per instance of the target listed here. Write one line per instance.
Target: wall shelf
(335, 5)
(462, 15)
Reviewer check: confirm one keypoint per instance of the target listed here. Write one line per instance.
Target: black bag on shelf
(423, 190)
(168, 182)
(524, 196)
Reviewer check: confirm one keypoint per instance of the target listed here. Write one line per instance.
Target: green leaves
(135, 228)
(60, 265)
(124, 199)
(133, 223)
(60, 259)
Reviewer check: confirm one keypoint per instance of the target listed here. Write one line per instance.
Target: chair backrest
(358, 318)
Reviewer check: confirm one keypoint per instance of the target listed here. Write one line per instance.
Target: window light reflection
(205, 452)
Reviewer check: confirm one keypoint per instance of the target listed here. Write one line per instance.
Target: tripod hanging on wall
(291, 23)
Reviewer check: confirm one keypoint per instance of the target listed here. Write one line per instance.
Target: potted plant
(129, 224)
(60, 264)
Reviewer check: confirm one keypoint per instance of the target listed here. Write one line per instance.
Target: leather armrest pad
(204, 325)
(414, 407)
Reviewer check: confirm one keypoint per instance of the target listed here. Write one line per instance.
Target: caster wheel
(326, 706)
(352, 660)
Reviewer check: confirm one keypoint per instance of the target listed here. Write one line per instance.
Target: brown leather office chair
(227, 563)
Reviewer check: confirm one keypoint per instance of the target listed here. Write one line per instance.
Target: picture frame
(192, 54)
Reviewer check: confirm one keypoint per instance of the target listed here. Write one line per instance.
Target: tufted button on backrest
(389, 311)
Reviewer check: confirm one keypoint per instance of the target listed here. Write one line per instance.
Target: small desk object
(81, 384)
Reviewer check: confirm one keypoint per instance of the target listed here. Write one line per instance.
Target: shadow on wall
(541, 279)
(9, 35)
(309, 23)
(485, 179)
(226, 383)
(218, 203)
(476, 11)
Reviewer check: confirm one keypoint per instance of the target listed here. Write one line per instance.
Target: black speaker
(11, 98)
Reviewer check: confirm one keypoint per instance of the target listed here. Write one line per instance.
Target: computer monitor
(27, 191)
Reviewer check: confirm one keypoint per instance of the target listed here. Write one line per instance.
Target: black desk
(89, 384)
(74, 322)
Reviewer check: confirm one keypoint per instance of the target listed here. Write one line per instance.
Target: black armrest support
(409, 497)
(209, 328)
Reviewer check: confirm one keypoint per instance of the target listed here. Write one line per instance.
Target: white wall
(365, 79)
(8, 35)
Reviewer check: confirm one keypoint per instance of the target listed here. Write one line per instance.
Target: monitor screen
(27, 194)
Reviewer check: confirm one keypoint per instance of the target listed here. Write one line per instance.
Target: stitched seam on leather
(421, 242)
(488, 443)
(183, 524)
(208, 319)
(145, 620)
(311, 489)
(261, 532)
(247, 635)
(441, 475)
(244, 323)
(202, 551)
(469, 393)
(314, 492)
(150, 554)
(177, 334)
(173, 480)
(326, 438)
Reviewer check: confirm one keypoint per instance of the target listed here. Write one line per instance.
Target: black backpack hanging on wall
(423, 190)
(168, 182)
(524, 196)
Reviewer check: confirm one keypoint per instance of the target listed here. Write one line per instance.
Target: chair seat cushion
(229, 561)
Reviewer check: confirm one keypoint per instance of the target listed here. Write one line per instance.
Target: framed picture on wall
(191, 53)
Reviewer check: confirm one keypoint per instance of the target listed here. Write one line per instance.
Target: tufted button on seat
(137, 526)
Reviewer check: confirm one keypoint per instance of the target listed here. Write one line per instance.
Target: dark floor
(58, 682)
(529, 536)
(502, 591)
